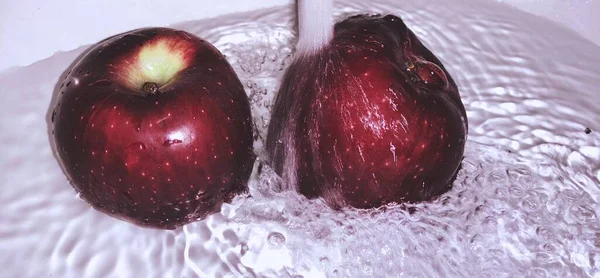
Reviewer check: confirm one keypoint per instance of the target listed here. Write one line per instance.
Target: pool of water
(526, 202)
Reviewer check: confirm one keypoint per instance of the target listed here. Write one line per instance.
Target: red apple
(370, 119)
(154, 127)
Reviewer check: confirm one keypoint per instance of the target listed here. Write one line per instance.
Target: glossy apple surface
(370, 119)
(154, 127)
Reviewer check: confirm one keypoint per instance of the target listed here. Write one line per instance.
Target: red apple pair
(153, 126)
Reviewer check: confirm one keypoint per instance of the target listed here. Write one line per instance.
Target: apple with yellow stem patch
(153, 126)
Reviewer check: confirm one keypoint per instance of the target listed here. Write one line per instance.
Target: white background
(31, 30)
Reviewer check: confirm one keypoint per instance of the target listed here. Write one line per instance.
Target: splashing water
(525, 203)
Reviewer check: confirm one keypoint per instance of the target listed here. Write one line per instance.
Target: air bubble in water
(243, 249)
(276, 239)
(349, 230)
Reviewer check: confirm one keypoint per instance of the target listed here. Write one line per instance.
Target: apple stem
(150, 88)
(315, 25)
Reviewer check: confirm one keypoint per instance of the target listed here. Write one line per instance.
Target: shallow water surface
(526, 202)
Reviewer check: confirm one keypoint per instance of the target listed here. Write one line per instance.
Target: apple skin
(370, 119)
(162, 158)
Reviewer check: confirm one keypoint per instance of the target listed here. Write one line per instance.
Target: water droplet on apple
(171, 142)
(200, 194)
(127, 197)
(428, 74)
(431, 74)
(138, 146)
(102, 83)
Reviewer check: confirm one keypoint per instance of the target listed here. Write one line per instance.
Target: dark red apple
(153, 126)
(371, 118)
